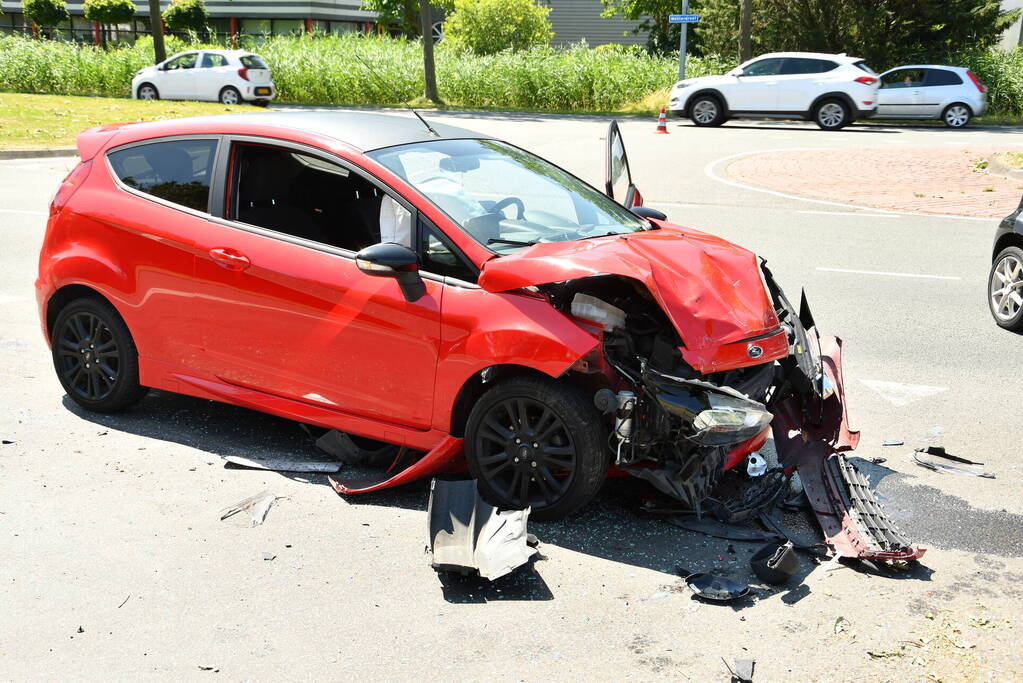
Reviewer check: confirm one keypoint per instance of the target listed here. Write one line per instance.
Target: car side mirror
(388, 259)
(647, 212)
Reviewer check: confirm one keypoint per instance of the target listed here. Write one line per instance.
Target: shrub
(109, 11)
(46, 12)
(1001, 71)
(186, 15)
(486, 27)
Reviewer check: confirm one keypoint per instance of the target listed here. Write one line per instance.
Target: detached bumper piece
(468, 534)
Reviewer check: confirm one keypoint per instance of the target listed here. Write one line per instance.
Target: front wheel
(1005, 289)
(95, 357)
(534, 442)
(230, 96)
(706, 110)
(831, 115)
(148, 91)
(956, 115)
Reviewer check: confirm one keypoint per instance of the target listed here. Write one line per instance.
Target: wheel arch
(145, 83)
(953, 102)
(478, 384)
(68, 293)
(713, 92)
(1009, 239)
(835, 95)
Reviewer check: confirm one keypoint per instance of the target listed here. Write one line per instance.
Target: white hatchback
(226, 76)
(830, 90)
(931, 91)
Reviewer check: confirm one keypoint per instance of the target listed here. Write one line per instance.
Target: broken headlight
(711, 415)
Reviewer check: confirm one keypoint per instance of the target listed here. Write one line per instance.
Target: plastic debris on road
(257, 506)
(284, 464)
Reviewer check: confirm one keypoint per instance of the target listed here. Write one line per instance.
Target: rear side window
(210, 60)
(936, 77)
(863, 65)
(177, 171)
(795, 65)
(253, 62)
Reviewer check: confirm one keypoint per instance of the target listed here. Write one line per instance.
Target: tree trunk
(156, 24)
(429, 71)
(745, 20)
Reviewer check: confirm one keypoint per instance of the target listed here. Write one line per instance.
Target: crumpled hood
(710, 289)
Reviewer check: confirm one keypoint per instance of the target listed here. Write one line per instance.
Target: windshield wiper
(514, 243)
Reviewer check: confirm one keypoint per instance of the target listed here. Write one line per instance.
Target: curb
(38, 153)
(996, 167)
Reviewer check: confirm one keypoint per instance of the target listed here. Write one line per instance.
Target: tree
(429, 70)
(663, 37)
(45, 12)
(107, 12)
(156, 25)
(488, 26)
(404, 15)
(186, 15)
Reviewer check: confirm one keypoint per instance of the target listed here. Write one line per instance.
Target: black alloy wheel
(95, 357)
(533, 442)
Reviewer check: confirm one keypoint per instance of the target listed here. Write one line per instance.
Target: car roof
(813, 55)
(365, 131)
(928, 66)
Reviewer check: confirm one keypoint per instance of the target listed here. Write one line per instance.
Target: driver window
(765, 67)
(186, 61)
(903, 78)
(437, 256)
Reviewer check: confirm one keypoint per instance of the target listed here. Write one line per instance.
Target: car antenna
(395, 90)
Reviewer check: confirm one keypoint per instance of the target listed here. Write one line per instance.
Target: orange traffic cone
(662, 124)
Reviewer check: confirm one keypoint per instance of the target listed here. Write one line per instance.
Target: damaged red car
(452, 294)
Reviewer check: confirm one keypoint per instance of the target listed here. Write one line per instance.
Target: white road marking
(884, 272)
(708, 170)
(7, 299)
(27, 213)
(851, 213)
(900, 394)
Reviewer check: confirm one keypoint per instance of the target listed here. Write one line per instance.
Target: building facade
(572, 20)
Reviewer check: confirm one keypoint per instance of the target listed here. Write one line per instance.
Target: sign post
(685, 19)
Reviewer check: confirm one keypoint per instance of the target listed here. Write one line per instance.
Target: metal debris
(894, 442)
(775, 563)
(717, 588)
(284, 464)
(467, 533)
(257, 506)
(743, 671)
(939, 452)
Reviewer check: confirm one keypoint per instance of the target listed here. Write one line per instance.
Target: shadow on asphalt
(613, 527)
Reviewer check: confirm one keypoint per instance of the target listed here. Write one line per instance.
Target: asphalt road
(96, 510)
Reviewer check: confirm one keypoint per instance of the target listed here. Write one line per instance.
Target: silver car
(930, 91)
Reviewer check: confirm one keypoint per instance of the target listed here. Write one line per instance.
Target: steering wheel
(508, 201)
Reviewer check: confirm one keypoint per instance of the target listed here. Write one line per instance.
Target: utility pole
(745, 20)
(429, 70)
(156, 23)
(682, 44)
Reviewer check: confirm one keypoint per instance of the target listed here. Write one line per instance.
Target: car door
(211, 75)
(177, 77)
(940, 87)
(900, 93)
(286, 311)
(757, 86)
(800, 81)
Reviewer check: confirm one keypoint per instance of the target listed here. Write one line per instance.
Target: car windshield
(504, 197)
(253, 62)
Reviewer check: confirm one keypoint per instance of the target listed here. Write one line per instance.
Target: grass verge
(52, 121)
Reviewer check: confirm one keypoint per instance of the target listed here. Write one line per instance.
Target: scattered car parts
(257, 506)
(468, 534)
(939, 452)
(775, 563)
(716, 588)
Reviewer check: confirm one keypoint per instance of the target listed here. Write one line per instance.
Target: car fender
(835, 94)
(481, 329)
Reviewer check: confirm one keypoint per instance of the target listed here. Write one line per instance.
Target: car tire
(147, 91)
(1004, 281)
(956, 115)
(831, 114)
(229, 96)
(95, 356)
(560, 445)
(707, 110)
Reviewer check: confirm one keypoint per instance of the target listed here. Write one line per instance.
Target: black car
(1005, 284)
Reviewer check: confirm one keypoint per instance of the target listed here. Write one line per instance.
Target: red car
(433, 288)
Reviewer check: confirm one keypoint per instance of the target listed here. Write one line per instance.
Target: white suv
(226, 76)
(831, 90)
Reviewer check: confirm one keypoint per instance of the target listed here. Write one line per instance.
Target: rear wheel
(95, 356)
(230, 96)
(533, 442)
(831, 114)
(1005, 289)
(706, 110)
(956, 115)
(148, 91)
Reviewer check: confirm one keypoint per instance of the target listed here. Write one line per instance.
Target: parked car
(225, 76)
(931, 91)
(448, 293)
(1005, 282)
(830, 90)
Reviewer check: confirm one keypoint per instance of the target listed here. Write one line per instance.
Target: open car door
(617, 176)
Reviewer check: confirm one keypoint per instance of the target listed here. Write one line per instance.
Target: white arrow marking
(900, 394)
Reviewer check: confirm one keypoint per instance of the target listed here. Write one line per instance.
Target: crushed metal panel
(467, 533)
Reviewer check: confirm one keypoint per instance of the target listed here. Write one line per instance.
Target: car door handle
(229, 258)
